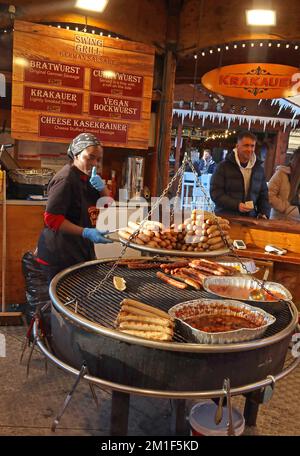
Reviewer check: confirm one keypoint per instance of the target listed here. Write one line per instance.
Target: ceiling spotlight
(219, 49)
(243, 45)
(270, 44)
(260, 17)
(226, 47)
(67, 27)
(76, 28)
(92, 5)
(252, 44)
(210, 51)
(278, 45)
(93, 31)
(261, 44)
(296, 47)
(235, 46)
(287, 46)
(58, 26)
(203, 54)
(195, 56)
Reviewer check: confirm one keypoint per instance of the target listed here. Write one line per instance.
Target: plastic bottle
(109, 186)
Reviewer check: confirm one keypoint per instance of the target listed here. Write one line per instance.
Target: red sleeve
(53, 221)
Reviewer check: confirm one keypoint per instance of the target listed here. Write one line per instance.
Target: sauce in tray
(220, 323)
(234, 292)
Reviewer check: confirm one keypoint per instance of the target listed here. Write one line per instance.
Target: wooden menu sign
(67, 82)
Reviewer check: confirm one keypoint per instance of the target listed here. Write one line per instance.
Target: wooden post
(168, 85)
(3, 261)
(281, 147)
(166, 120)
(178, 146)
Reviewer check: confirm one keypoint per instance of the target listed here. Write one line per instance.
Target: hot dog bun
(152, 335)
(143, 320)
(144, 307)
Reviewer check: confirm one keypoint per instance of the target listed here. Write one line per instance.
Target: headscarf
(81, 142)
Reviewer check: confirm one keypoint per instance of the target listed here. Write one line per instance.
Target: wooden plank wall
(24, 224)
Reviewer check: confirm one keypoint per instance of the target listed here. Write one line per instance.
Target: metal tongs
(116, 230)
(230, 429)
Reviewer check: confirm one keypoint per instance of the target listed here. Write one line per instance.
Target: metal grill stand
(121, 393)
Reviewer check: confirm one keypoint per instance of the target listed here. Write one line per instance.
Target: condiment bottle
(113, 184)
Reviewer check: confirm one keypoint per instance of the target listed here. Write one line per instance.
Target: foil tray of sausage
(188, 313)
(240, 287)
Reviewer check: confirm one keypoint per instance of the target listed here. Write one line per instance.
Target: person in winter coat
(284, 188)
(206, 164)
(238, 185)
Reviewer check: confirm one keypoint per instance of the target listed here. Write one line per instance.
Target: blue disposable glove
(96, 180)
(96, 236)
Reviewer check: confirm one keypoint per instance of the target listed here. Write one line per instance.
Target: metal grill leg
(119, 413)
(251, 408)
(30, 356)
(68, 398)
(178, 419)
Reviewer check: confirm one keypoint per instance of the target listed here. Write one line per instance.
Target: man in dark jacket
(238, 185)
(206, 164)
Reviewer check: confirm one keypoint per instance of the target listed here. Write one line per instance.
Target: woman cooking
(69, 234)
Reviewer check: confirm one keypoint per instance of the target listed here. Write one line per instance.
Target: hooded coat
(227, 188)
(279, 191)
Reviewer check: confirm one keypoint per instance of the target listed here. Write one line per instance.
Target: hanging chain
(223, 236)
(179, 174)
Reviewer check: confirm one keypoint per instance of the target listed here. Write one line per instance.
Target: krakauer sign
(253, 80)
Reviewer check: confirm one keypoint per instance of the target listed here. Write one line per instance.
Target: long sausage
(171, 281)
(139, 265)
(178, 264)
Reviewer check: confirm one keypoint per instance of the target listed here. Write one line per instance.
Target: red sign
(45, 99)
(116, 83)
(67, 127)
(253, 80)
(53, 73)
(120, 108)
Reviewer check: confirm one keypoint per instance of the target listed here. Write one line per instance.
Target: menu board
(67, 82)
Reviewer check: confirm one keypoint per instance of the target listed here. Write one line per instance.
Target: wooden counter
(25, 221)
(23, 224)
(257, 233)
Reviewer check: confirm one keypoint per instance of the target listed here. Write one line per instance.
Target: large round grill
(83, 330)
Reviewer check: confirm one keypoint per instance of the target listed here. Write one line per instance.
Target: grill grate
(103, 306)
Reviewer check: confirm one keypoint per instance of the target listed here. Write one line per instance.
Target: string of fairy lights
(75, 27)
(224, 135)
(198, 133)
(204, 52)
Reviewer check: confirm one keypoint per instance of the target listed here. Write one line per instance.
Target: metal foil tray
(245, 284)
(249, 265)
(199, 307)
(40, 176)
(179, 253)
